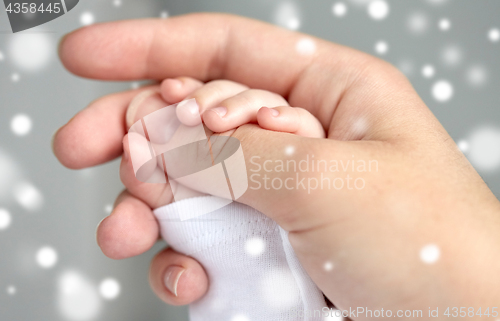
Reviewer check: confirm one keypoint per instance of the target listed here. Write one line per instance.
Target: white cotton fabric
(243, 285)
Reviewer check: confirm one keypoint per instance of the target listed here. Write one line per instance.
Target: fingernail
(97, 229)
(221, 111)
(274, 112)
(52, 141)
(172, 276)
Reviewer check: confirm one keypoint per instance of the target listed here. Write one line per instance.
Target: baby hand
(224, 105)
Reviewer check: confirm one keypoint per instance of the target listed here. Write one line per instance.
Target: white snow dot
(289, 150)
(463, 146)
(293, 24)
(28, 196)
(476, 75)
(305, 46)
(428, 71)
(109, 289)
(108, 208)
(339, 9)
(5, 219)
(494, 35)
(15, 77)
(287, 15)
(429, 254)
(255, 246)
(444, 24)
(164, 14)
(78, 298)
(135, 85)
(328, 266)
(452, 55)
(87, 18)
(117, 3)
(46, 257)
(418, 23)
(381, 47)
(240, 317)
(31, 51)
(359, 126)
(20, 124)
(378, 9)
(442, 91)
(10, 173)
(484, 153)
(11, 290)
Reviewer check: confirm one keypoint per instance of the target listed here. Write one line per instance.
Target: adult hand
(424, 191)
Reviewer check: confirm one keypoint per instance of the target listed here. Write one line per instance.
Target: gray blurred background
(50, 265)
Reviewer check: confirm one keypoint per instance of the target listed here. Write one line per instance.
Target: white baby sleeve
(253, 272)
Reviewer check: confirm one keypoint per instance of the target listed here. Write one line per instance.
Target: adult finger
(254, 53)
(355, 96)
(131, 228)
(289, 175)
(177, 279)
(94, 135)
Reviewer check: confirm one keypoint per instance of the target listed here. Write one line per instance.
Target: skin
(425, 191)
(241, 105)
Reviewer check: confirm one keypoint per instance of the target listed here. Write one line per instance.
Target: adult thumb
(290, 178)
